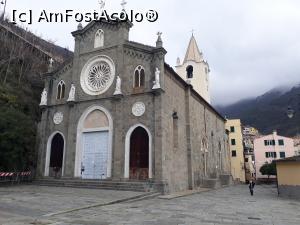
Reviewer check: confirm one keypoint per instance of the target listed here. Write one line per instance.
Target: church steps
(110, 185)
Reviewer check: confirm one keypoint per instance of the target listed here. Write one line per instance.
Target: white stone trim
(85, 71)
(48, 154)
(80, 130)
(127, 149)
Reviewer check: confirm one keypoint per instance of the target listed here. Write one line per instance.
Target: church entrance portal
(56, 156)
(139, 154)
(93, 147)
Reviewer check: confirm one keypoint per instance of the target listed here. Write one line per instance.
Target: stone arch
(49, 151)
(85, 125)
(127, 150)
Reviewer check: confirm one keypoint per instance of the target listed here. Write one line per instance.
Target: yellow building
(237, 150)
(288, 176)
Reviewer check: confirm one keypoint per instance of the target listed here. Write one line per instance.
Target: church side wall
(175, 171)
(214, 133)
(198, 133)
(202, 124)
(206, 126)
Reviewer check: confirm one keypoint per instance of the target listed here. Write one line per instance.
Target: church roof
(193, 53)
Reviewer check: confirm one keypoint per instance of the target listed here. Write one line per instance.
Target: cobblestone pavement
(232, 205)
(27, 202)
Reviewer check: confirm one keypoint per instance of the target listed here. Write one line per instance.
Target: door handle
(82, 168)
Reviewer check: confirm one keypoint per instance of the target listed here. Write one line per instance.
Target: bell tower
(195, 70)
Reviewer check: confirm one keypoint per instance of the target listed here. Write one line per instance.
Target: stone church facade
(119, 112)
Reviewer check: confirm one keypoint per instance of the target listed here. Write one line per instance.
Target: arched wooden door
(139, 154)
(95, 146)
(56, 156)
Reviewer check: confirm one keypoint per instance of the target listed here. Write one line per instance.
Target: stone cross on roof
(123, 3)
(102, 4)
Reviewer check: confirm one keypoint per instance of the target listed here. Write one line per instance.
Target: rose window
(98, 77)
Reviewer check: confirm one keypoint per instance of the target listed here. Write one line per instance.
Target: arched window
(61, 88)
(189, 72)
(139, 77)
(99, 39)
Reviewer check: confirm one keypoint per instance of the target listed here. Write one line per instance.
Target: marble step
(111, 185)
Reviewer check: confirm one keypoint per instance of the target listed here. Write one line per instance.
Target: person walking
(251, 187)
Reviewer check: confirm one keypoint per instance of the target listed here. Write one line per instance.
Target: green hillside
(21, 65)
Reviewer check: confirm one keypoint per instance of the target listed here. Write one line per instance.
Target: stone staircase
(139, 186)
(214, 183)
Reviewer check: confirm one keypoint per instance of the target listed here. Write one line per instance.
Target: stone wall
(184, 159)
(175, 171)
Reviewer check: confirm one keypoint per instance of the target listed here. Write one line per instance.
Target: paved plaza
(231, 205)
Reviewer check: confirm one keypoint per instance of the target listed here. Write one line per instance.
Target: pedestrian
(251, 187)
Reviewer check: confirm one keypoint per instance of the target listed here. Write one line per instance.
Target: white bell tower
(195, 70)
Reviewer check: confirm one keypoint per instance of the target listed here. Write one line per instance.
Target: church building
(119, 112)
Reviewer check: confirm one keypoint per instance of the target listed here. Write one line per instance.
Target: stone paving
(231, 205)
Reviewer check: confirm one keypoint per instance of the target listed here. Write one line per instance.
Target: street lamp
(290, 112)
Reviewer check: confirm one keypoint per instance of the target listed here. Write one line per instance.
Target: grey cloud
(251, 45)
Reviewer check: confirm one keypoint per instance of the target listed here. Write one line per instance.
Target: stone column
(188, 137)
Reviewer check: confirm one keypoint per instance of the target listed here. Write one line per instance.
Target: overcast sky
(251, 46)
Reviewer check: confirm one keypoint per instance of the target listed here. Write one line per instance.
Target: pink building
(270, 147)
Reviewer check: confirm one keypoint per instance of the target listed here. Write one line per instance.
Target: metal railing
(15, 177)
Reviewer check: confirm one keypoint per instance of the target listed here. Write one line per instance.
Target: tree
(23, 58)
(268, 169)
(17, 140)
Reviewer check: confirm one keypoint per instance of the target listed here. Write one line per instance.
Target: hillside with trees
(268, 112)
(24, 57)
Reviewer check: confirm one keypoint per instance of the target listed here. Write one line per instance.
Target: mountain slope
(24, 57)
(268, 112)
